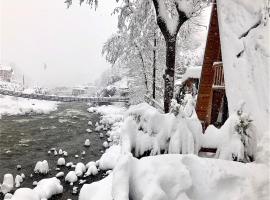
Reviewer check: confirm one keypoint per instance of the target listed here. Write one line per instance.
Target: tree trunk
(143, 67)
(154, 66)
(144, 72)
(169, 72)
(170, 39)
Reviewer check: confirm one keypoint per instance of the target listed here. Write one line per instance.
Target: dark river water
(24, 140)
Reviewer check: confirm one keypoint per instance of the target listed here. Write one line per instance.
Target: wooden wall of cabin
(212, 54)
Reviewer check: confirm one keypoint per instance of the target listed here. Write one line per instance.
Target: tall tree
(170, 16)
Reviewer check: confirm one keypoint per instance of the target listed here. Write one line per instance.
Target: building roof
(192, 72)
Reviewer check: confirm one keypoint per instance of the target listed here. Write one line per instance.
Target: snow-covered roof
(192, 72)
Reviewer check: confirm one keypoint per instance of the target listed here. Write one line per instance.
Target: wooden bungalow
(211, 106)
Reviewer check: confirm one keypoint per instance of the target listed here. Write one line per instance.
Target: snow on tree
(170, 16)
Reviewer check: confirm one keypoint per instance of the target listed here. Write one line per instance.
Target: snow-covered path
(24, 140)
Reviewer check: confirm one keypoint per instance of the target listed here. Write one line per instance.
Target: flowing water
(26, 139)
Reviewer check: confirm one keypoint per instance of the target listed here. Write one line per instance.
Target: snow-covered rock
(80, 169)
(18, 181)
(69, 164)
(42, 167)
(60, 152)
(25, 194)
(92, 170)
(45, 189)
(109, 159)
(105, 144)
(8, 196)
(87, 143)
(71, 177)
(48, 187)
(59, 174)
(88, 130)
(61, 162)
(65, 153)
(8, 183)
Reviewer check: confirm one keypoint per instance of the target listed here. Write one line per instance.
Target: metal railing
(64, 98)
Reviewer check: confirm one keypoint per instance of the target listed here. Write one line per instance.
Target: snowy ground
(170, 176)
(20, 106)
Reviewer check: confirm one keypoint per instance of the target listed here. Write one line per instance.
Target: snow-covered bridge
(64, 98)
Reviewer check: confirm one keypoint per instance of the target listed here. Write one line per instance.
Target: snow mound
(186, 177)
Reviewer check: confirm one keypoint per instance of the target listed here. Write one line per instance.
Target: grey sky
(69, 41)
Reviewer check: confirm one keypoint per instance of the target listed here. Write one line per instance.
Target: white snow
(42, 167)
(109, 159)
(246, 59)
(100, 190)
(192, 72)
(186, 177)
(20, 106)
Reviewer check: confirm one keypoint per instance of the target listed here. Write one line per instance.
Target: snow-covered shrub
(145, 129)
(247, 135)
(235, 140)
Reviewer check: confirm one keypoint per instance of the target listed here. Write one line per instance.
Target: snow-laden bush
(145, 129)
(235, 140)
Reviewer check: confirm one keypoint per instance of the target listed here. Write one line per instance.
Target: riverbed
(26, 139)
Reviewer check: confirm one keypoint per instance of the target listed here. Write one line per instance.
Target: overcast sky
(69, 41)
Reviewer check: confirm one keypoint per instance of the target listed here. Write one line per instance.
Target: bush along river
(27, 139)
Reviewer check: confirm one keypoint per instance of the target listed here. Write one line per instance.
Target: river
(26, 139)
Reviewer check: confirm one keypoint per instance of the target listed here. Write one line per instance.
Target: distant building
(78, 91)
(5, 73)
(189, 82)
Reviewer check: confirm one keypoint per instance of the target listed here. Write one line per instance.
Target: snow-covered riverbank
(171, 177)
(20, 106)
